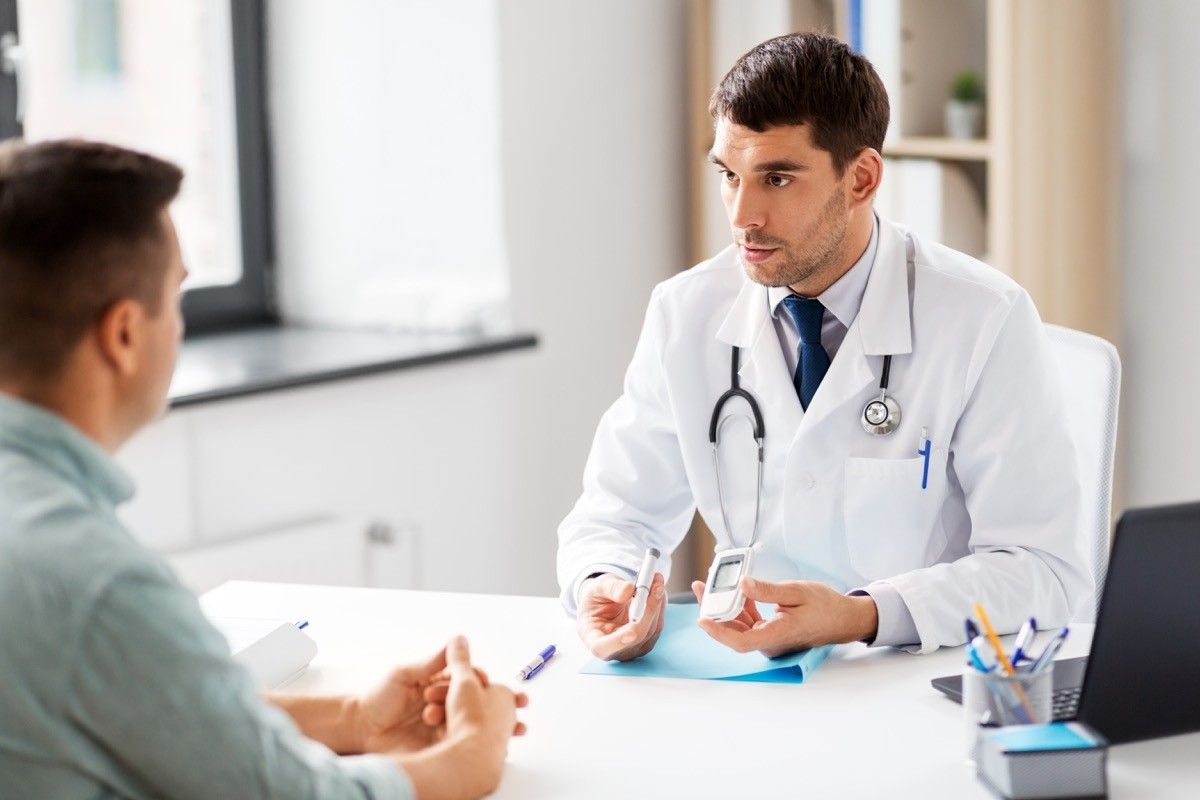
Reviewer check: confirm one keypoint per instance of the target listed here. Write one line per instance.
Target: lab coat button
(806, 480)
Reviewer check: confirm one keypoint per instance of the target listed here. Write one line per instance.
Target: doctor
(882, 523)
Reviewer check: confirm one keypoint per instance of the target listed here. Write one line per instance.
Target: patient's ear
(119, 335)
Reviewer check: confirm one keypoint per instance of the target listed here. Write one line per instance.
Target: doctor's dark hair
(79, 228)
(807, 78)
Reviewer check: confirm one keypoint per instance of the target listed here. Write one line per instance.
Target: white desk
(866, 725)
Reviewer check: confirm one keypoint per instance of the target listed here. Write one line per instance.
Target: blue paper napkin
(685, 651)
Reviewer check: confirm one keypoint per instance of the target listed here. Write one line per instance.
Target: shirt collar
(844, 298)
(47, 438)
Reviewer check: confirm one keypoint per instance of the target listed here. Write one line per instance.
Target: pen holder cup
(994, 699)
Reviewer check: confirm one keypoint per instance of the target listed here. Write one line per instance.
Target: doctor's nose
(743, 211)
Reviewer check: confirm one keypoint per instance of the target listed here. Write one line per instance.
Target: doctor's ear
(864, 174)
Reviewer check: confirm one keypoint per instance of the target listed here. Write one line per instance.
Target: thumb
(782, 594)
(458, 661)
(698, 590)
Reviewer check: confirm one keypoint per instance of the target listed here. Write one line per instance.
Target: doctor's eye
(778, 181)
(727, 176)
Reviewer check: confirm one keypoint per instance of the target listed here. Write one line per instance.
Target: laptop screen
(1143, 675)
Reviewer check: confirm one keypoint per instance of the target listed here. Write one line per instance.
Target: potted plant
(964, 109)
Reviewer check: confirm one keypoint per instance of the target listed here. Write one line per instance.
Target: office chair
(1091, 374)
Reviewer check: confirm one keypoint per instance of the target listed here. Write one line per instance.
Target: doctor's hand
(807, 614)
(603, 618)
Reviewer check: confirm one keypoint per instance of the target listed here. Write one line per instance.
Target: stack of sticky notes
(1061, 759)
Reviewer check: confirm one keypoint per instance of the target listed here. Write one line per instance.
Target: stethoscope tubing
(736, 391)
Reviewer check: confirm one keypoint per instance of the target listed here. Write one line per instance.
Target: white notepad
(275, 651)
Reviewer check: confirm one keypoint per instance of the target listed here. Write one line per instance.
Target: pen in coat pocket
(924, 448)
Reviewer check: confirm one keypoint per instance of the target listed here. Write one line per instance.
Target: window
(181, 80)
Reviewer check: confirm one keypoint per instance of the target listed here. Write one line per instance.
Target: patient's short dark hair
(807, 78)
(76, 222)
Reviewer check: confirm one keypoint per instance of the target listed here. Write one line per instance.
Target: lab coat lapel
(763, 371)
(883, 326)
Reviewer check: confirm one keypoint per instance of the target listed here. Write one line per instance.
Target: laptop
(1142, 678)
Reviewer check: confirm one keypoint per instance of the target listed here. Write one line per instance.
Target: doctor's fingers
(651, 618)
(787, 593)
(607, 589)
(610, 646)
(741, 641)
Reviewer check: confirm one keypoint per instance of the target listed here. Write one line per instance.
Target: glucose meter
(723, 598)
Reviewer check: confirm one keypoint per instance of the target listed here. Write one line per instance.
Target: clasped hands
(807, 614)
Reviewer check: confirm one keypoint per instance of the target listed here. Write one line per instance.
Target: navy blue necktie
(814, 361)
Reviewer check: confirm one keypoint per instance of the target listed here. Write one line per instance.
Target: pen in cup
(1005, 664)
(645, 577)
(535, 666)
(1024, 639)
(1047, 655)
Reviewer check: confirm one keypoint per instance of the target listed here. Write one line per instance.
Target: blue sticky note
(1039, 738)
(685, 651)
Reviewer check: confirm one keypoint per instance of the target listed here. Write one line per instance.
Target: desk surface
(866, 723)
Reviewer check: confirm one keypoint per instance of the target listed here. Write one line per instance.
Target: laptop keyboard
(1065, 703)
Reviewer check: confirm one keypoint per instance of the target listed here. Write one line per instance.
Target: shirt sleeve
(156, 690)
(896, 626)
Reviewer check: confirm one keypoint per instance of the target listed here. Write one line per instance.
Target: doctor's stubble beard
(819, 248)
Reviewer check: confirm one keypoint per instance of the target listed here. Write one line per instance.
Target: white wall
(594, 103)
(1161, 258)
(481, 457)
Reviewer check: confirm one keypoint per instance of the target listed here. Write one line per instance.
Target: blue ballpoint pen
(924, 451)
(1024, 639)
(535, 666)
(1047, 655)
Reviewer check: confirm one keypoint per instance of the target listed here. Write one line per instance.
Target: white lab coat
(1000, 520)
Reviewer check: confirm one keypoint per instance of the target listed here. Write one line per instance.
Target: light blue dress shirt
(842, 302)
(112, 682)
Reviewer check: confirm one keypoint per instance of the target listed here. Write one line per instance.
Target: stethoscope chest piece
(881, 415)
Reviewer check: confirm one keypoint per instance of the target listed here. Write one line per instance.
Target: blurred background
(422, 236)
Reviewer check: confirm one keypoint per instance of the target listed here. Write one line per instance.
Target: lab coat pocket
(889, 519)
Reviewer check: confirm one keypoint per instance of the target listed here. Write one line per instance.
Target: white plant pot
(964, 120)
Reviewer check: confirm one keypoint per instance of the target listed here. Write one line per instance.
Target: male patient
(112, 683)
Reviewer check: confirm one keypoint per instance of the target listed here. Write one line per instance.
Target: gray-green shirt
(112, 682)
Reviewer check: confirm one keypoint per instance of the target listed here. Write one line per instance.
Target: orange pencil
(990, 632)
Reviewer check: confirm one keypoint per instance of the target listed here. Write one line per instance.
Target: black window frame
(250, 301)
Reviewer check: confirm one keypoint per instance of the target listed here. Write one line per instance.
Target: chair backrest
(1091, 374)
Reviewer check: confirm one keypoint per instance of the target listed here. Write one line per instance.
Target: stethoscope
(880, 417)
